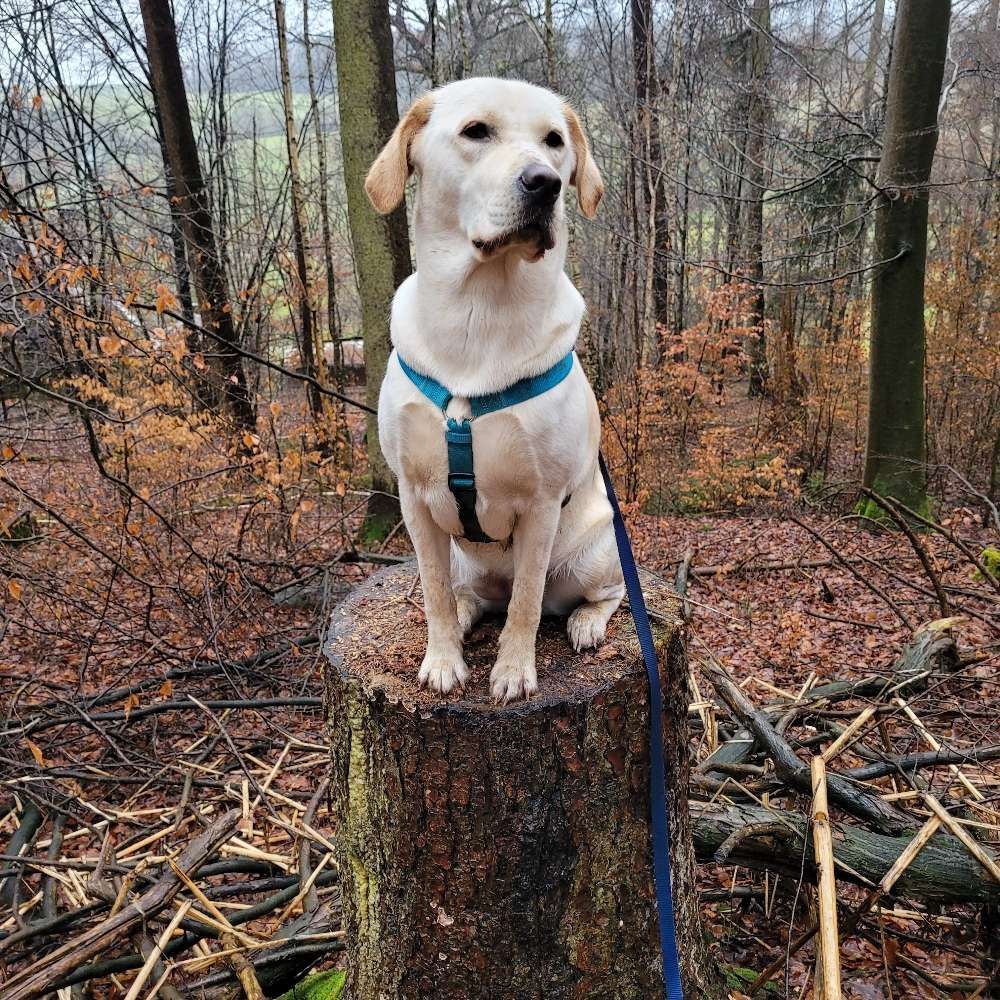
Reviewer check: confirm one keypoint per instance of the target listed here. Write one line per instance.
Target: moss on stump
(490, 851)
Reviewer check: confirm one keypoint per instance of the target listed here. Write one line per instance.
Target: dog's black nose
(540, 183)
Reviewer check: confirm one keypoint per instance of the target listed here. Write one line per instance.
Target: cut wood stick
(303, 891)
(220, 917)
(828, 977)
(900, 796)
(139, 845)
(156, 951)
(971, 844)
(151, 995)
(223, 927)
(243, 969)
(774, 689)
(934, 744)
(38, 978)
(840, 743)
(905, 859)
(241, 849)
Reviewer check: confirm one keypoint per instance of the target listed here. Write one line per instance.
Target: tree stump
(503, 851)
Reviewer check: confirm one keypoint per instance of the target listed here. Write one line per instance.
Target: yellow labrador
(488, 305)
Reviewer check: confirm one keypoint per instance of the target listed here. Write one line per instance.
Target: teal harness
(458, 433)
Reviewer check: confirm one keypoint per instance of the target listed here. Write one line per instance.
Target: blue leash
(657, 772)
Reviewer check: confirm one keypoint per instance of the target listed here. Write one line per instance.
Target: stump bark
(490, 851)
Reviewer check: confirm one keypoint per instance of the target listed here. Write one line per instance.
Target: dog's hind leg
(587, 624)
(470, 608)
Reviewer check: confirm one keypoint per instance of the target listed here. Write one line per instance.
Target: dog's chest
(511, 453)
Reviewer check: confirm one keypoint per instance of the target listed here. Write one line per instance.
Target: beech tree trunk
(180, 156)
(895, 464)
(366, 82)
(503, 851)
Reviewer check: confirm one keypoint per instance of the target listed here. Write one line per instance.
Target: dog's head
(492, 158)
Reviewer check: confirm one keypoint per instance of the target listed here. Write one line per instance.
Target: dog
(489, 305)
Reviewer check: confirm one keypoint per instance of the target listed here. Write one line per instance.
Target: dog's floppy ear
(586, 176)
(386, 180)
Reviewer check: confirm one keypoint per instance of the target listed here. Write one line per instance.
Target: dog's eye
(476, 130)
(554, 139)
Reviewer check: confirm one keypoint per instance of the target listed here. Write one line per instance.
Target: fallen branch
(24, 835)
(924, 759)
(790, 769)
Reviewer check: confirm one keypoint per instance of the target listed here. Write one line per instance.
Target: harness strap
(659, 814)
(458, 433)
(462, 478)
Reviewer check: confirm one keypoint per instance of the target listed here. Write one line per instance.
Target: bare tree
(180, 155)
(311, 349)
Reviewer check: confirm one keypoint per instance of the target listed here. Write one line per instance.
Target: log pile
(887, 829)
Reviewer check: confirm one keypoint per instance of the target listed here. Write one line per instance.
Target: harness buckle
(461, 481)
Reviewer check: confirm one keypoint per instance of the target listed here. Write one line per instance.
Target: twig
(881, 594)
(37, 725)
(894, 513)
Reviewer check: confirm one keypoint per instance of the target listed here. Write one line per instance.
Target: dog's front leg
(443, 666)
(514, 675)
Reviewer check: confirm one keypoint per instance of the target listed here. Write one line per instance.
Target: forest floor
(125, 746)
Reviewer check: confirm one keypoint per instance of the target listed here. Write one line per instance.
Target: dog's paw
(513, 677)
(443, 672)
(469, 612)
(586, 626)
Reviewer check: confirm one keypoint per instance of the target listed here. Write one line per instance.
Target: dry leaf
(36, 752)
(132, 701)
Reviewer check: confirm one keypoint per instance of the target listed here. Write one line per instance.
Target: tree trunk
(649, 197)
(895, 463)
(311, 351)
(758, 119)
(181, 162)
(368, 113)
(491, 851)
(871, 59)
